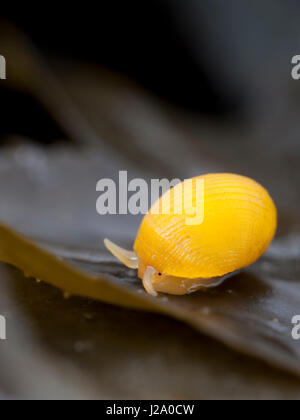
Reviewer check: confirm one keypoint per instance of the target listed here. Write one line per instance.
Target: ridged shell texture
(239, 223)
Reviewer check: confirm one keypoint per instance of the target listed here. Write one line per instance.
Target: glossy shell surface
(239, 223)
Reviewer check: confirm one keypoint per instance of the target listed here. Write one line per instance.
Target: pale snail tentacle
(148, 281)
(128, 258)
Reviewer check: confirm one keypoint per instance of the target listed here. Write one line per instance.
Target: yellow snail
(176, 257)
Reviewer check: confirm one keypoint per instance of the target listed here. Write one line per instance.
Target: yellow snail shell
(175, 257)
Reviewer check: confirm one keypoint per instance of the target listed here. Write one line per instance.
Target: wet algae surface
(80, 324)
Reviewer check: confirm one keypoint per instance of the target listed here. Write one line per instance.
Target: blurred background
(161, 88)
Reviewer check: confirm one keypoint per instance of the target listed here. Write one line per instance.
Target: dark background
(143, 40)
(169, 88)
(225, 61)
